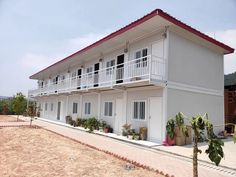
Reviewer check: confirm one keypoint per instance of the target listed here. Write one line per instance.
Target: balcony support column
(124, 120)
(99, 106)
(81, 106)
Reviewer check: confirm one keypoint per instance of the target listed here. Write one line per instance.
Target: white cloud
(37, 62)
(227, 37)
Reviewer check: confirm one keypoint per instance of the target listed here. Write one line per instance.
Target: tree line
(14, 106)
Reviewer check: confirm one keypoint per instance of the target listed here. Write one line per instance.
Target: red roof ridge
(136, 23)
(193, 30)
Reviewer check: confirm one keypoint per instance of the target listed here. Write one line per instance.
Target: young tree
(199, 124)
(32, 111)
(19, 104)
(215, 152)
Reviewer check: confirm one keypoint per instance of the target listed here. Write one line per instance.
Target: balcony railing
(142, 69)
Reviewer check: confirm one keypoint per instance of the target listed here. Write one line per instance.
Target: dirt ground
(4, 118)
(30, 152)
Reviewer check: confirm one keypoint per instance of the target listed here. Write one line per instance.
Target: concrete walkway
(162, 161)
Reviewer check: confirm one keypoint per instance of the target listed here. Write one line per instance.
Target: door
(155, 119)
(59, 110)
(96, 68)
(79, 78)
(120, 68)
(158, 65)
(118, 116)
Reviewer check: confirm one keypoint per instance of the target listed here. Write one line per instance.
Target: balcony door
(96, 78)
(120, 69)
(79, 78)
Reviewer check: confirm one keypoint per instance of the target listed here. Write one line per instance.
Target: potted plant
(183, 132)
(143, 133)
(102, 125)
(78, 121)
(126, 129)
(179, 131)
(131, 134)
(92, 124)
(106, 128)
(68, 119)
(170, 129)
(136, 136)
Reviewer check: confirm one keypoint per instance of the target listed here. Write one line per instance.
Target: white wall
(191, 104)
(110, 96)
(135, 95)
(93, 99)
(191, 63)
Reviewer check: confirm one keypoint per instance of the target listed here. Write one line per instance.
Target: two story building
(142, 74)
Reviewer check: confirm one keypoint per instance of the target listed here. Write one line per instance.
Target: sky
(35, 34)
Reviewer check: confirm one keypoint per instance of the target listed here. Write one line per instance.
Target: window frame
(140, 62)
(87, 110)
(112, 108)
(51, 107)
(132, 109)
(73, 75)
(88, 72)
(74, 111)
(110, 67)
(46, 107)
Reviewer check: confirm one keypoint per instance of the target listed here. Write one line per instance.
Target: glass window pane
(135, 110)
(144, 53)
(138, 54)
(89, 108)
(106, 109)
(110, 108)
(142, 110)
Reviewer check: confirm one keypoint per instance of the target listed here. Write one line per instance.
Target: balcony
(144, 70)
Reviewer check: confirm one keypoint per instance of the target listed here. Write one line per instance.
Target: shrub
(92, 124)
(78, 122)
(68, 119)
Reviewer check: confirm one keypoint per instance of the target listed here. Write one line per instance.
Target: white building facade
(142, 75)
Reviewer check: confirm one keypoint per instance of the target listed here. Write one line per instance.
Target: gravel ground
(36, 152)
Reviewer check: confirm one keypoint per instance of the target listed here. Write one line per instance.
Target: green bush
(78, 122)
(92, 124)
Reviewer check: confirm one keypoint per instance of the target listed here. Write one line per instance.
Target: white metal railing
(144, 68)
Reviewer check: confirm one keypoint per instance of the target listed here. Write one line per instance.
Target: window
(87, 108)
(51, 106)
(75, 108)
(110, 66)
(108, 109)
(141, 58)
(139, 110)
(63, 77)
(73, 75)
(46, 83)
(89, 71)
(46, 106)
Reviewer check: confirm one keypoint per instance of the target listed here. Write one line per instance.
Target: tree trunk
(31, 122)
(195, 153)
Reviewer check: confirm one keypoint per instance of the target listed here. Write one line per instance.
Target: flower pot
(143, 133)
(170, 141)
(106, 130)
(188, 140)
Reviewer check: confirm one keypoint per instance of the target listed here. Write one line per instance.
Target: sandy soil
(36, 152)
(4, 118)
